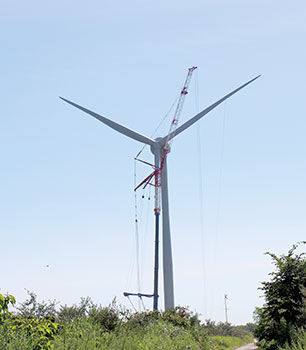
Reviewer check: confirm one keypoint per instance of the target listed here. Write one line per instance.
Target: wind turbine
(158, 148)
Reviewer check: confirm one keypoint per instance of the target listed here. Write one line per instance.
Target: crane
(158, 146)
(156, 175)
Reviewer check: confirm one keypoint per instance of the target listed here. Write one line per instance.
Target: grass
(229, 343)
(84, 335)
(158, 335)
(39, 326)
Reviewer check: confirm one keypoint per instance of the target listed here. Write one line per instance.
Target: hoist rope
(159, 125)
(139, 274)
(166, 115)
(136, 233)
(201, 194)
(179, 101)
(145, 233)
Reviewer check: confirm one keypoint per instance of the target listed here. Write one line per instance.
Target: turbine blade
(204, 112)
(120, 128)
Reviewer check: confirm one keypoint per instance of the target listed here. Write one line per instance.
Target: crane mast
(172, 129)
(156, 175)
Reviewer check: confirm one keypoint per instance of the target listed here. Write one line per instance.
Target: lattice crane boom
(181, 101)
(156, 174)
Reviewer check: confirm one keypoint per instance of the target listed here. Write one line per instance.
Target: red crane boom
(156, 174)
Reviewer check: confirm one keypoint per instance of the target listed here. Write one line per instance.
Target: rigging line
(166, 116)
(159, 125)
(201, 192)
(136, 232)
(132, 258)
(203, 250)
(196, 84)
(143, 305)
(146, 224)
(132, 303)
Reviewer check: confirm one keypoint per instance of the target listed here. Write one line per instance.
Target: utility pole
(225, 304)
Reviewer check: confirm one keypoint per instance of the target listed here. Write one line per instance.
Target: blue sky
(67, 180)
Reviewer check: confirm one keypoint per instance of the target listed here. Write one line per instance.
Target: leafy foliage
(32, 308)
(5, 301)
(298, 341)
(42, 326)
(107, 318)
(76, 311)
(284, 310)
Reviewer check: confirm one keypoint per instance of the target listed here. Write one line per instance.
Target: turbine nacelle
(160, 143)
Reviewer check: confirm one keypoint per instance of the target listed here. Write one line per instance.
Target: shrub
(39, 332)
(108, 318)
(180, 316)
(76, 311)
(284, 310)
(225, 329)
(5, 301)
(32, 308)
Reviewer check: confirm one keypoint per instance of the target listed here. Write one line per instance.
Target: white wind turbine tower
(160, 147)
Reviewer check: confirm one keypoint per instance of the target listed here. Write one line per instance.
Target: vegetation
(298, 341)
(44, 326)
(227, 342)
(225, 329)
(284, 310)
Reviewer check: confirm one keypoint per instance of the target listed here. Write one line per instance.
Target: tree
(284, 309)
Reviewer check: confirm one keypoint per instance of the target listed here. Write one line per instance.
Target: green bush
(224, 329)
(33, 308)
(180, 316)
(5, 301)
(27, 333)
(142, 319)
(76, 311)
(107, 318)
(39, 326)
(284, 309)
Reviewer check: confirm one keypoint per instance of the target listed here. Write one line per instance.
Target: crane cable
(179, 101)
(131, 303)
(201, 195)
(159, 125)
(136, 234)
